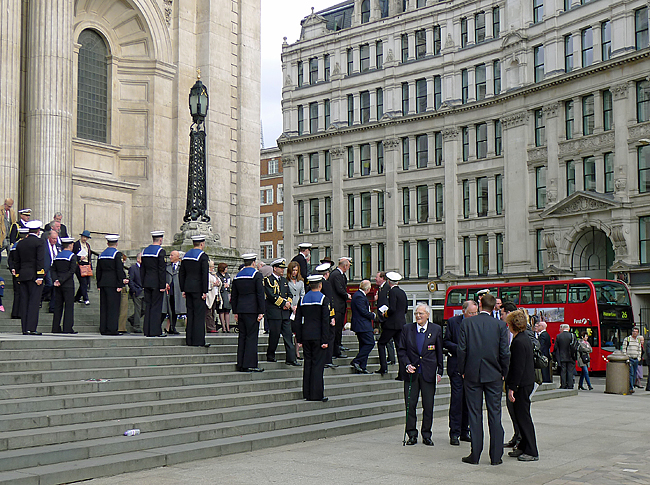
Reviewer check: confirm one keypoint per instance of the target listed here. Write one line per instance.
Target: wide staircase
(66, 402)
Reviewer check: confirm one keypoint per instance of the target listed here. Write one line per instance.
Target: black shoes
(466, 438)
(427, 441)
(173, 331)
(525, 457)
(331, 366)
(511, 444)
(252, 369)
(343, 348)
(381, 372)
(359, 370)
(454, 441)
(299, 358)
(515, 453)
(389, 362)
(325, 399)
(470, 460)
(495, 463)
(412, 441)
(295, 363)
(341, 356)
(271, 359)
(32, 333)
(207, 345)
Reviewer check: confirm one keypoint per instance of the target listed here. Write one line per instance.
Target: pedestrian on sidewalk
(633, 348)
(584, 358)
(565, 356)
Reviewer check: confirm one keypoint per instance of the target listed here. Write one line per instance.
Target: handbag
(539, 359)
(85, 270)
(585, 358)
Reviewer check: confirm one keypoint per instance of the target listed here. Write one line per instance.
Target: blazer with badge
(483, 351)
(397, 305)
(313, 317)
(277, 294)
(63, 268)
(429, 357)
(110, 270)
(193, 275)
(152, 268)
(248, 292)
(29, 258)
(362, 317)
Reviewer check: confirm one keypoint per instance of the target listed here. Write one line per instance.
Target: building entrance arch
(592, 254)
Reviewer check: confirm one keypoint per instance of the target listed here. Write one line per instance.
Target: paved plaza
(592, 438)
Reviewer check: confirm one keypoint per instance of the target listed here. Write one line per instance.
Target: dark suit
(393, 325)
(136, 293)
(563, 353)
(193, 279)
(276, 289)
(339, 283)
(545, 346)
(29, 263)
(386, 343)
(311, 327)
(62, 233)
(521, 380)
(48, 288)
(247, 300)
(458, 416)
(427, 359)
(362, 319)
(152, 273)
(302, 262)
(483, 359)
(110, 278)
(63, 269)
(11, 258)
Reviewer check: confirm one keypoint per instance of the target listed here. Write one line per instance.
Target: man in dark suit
(173, 302)
(278, 313)
(458, 416)
(381, 299)
(62, 272)
(362, 319)
(545, 347)
(248, 305)
(302, 258)
(420, 354)
(11, 262)
(52, 248)
(193, 281)
(136, 293)
(483, 359)
(110, 281)
(563, 353)
(339, 283)
(395, 319)
(62, 229)
(152, 273)
(29, 269)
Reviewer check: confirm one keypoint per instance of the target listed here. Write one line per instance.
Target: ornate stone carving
(551, 197)
(551, 248)
(337, 152)
(641, 130)
(168, 11)
(337, 69)
(620, 90)
(618, 240)
(538, 154)
(583, 204)
(588, 143)
(391, 143)
(450, 133)
(390, 57)
(515, 119)
(288, 161)
(449, 43)
(550, 110)
(620, 185)
(287, 80)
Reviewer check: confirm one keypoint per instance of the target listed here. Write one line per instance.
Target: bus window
(531, 295)
(612, 335)
(509, 293)
(611, 293)
(579, 293)
(592, 334)
(555, 293)
(456, 297)
(473, 294)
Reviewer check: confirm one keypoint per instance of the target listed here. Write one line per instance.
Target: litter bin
(618, 373)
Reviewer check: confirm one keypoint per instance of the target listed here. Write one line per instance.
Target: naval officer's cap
(32, 225)
(323, 267)
(393, 276)
(112, 237)
(25, 211)
(304, 245)
(279, 263)
(315, 278)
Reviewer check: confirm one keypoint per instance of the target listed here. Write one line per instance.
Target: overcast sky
(280, 18)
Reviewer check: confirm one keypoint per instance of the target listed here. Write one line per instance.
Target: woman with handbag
(584, 349)
(224, 309)
(85, 269)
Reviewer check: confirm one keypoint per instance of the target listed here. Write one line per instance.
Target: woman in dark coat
(520, 382)
(83, 246)
(224, 309)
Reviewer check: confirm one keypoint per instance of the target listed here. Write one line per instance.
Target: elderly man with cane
(420, 353)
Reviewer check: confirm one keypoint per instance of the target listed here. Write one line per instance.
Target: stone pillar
(392, 203)
(553, 128)
(624, 113)
(339, 204)
(451, 187)
(10, 98)
(48, 151)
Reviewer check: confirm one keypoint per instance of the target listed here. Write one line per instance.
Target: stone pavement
(593, 438)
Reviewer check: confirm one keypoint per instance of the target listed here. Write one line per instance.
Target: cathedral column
(10, 98)
(48, 151)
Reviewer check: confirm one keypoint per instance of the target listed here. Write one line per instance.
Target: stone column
(10, 98)
(339, 204)
(553, 129)
(451, 198)
(392, 203)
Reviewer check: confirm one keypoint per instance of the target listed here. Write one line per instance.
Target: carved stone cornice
(620, 90)
(618, 240)
(450, 133)
(537, 154)
(337, 152)
(551, 110)
(587, 143)
(391, 143)
(167, 10)
(581, 202)
(514, 119)
(641, 130)
(551, 248)
(288, 161)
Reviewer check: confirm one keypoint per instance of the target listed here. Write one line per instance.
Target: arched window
(92, 88)
(365, 11)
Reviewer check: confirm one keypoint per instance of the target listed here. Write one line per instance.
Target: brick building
(271, 205)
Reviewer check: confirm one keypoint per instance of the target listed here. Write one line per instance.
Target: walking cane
(408, 405)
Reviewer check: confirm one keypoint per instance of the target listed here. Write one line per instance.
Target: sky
(280, 18)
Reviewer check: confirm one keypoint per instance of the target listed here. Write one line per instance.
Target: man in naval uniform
(302, 258)
(395, 319)
(278, 313)
(193, 279)
(152, 274)
(24, 214)
(248, 305)
(62, 272)
(30, 271)
(11, 261)
(110, 281)
(312, 326)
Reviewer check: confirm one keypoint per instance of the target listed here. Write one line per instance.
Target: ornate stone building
(485, 140)
(94, 114)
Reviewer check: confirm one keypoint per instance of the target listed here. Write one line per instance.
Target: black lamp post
(197, 199)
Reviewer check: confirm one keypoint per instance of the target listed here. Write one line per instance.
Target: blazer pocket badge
(431, 347)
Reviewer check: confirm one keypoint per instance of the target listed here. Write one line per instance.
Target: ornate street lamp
(197, 199)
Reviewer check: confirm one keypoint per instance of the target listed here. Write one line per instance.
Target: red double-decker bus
(602, 307)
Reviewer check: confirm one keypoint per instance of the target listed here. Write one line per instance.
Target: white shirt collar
(417, 327)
